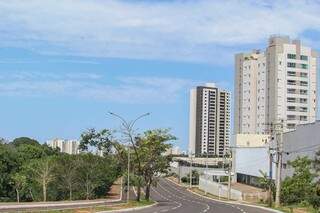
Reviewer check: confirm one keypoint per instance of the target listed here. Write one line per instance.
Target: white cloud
(142, 90)
(189, 30)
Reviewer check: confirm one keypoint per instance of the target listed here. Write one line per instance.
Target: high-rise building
(275, 85)
(66, 146)
(209, 121)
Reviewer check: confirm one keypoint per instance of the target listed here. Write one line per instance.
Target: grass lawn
(297, 209)
(286, 209)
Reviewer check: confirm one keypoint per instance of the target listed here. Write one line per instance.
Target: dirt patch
(115, 190)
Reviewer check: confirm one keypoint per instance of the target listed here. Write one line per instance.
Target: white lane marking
(175, 207)
(165, 181)
(228, 202)
(193, 197)
(183, 198)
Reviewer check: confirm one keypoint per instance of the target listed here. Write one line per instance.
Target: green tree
(19, 182)
(266, 183)
(67, 172)
(8, 166)
(102, 140)
(150, 147)
(2, 140)
(88, 174)
(41, 171)
(24, 140)
(298, 188)
(316, 164)
(314, 199)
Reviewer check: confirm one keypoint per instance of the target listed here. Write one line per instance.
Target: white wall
(218, 189)
(249, 160)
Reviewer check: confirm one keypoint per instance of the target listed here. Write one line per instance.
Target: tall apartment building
(209, 121)
(66, 146)
(278, 84)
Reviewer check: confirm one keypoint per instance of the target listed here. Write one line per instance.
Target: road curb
(57, 205)
(229, 202)
(131, 209)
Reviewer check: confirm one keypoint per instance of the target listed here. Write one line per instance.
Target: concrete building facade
(209, 121)
(278, 84)
(250, 140)
(249, 161)
(66, 146)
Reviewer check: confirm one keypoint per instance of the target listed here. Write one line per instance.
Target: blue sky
(64, 64)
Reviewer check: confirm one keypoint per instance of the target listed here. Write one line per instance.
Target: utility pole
(228, 171)
(229, 175)
(270, 177)
(279, 132)
(179, 171)
(205, 188)
(190, 172)
(276, 130)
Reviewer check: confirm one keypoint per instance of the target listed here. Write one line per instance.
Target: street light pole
(129, 127)
(128, 171)
(206, 176)
(190, 171)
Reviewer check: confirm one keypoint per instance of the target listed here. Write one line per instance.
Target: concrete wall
(304, 141)
(250, 160)
(250, 140)
(185, 170)
(218, 189)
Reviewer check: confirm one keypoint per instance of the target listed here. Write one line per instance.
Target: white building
(249, 164)
(209, 131)
(173, 151)
(250, 140)
(249, 161)
(67, 146)
(276, 84)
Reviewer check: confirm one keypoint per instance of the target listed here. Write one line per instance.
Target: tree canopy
(31, 171)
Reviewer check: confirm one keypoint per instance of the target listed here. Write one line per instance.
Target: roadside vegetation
(302, 190)
(147, 150)
(31, 171)
(34, 172)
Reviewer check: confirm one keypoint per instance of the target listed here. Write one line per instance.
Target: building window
(303, 83)
(291, 108)
(303, 100)
(303, 118)
(291, 91)
(304, 66)
(304, 57)
(303, 75)
(291, 73)
(291, 100)
(291, 56)
(291, 117)
(291, 82)
(290, 64)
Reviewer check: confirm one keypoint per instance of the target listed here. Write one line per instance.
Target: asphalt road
(174, 198)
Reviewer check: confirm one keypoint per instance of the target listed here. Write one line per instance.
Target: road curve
(174, 198)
